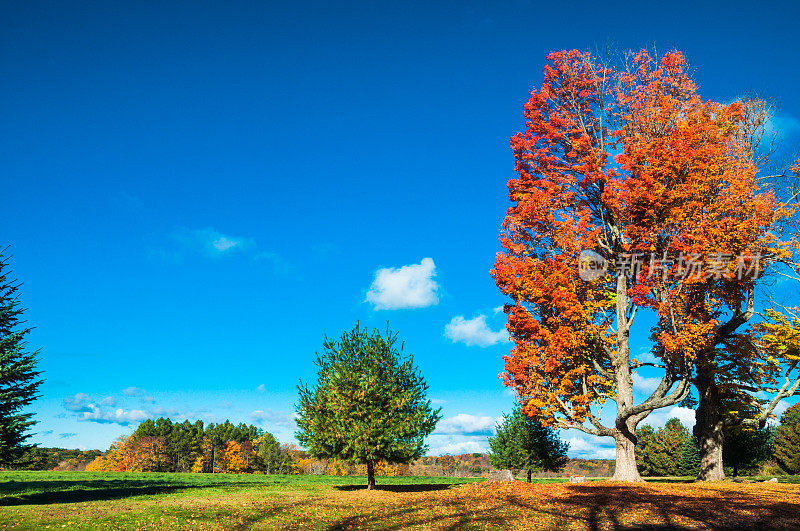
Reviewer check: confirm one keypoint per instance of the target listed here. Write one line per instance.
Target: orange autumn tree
(681, 186)
(233, 459)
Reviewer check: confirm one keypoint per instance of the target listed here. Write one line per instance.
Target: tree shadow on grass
(418, 487)
(85, 495)
(446, 514)
(49, 492)
(599, 506)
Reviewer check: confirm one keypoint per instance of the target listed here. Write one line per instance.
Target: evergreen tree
(19, 380)
(690, 458)
(658, 453)
(368, 404)
(645, 437)
(522, 442)
(787, 441)
(747, 448)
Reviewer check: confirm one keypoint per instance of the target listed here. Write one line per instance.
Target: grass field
(79, 500)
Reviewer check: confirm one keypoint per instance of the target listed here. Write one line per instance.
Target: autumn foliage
(633, 165)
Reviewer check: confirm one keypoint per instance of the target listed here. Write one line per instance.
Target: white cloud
(78, 402)
(473, 331)
(464, 424)
(271, 417)
(261, 388)
(643, 384)
(497, 310)
(645, 356)
(585, 446)
(118, 416)
(659, 417)
(410, 286)
(455, 445)
(133, 391)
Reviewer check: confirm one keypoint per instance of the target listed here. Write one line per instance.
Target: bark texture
(708, 427)
(370, 475)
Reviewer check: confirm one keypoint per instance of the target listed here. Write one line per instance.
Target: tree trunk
(529, 475)
(708, 426)
(370, 475)
(625, 465)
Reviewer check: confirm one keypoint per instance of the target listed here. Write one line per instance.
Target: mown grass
(75, 500)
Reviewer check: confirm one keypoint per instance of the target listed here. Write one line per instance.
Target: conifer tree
(658, 452)
(522, 442)
(368, 404)
(19, 380)
(690, 458)
(787, 441)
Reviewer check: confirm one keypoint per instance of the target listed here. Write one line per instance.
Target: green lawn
(112, 500)
(86, 500)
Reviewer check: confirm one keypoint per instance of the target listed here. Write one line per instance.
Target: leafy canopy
(368, 404)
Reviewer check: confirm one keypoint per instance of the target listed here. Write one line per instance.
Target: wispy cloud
(465, 424)
(586, 446)
(272, 417)
(456, 444)
(112, 416)
(410, 286)
(659, 417)
(66, 435)
(473, 331)
(212, 242)
(79, 402)
(136, 392)
(781, 126)
(103, 411)
(643, 384)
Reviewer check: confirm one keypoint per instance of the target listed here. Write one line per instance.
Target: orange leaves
(682, 181)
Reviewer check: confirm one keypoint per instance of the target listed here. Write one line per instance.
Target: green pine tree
(690, 458)
(18, 375)
(658, 452)
(786, 448)
(368, 405)
(521, 442)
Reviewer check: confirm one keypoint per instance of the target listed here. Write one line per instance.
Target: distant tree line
(36, 458)
(164, 446)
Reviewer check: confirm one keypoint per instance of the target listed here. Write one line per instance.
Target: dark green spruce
(689, 464)
(523, 443)
(368, 405)
(19, 379)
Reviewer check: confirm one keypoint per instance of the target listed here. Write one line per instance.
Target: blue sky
(195, 193)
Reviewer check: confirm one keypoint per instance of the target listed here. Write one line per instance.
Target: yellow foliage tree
(232, 460)
(198, 465)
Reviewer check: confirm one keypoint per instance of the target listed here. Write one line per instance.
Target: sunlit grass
(75, 500)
